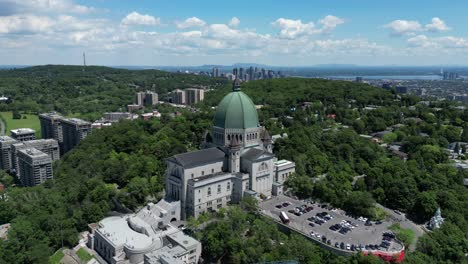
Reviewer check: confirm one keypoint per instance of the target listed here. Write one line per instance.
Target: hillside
(87, 91)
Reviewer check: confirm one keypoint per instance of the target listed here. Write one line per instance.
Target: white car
(312, 233)
(318, 236)
(348, 247)
(364, 219)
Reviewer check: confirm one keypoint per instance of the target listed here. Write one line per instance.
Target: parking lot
(318, 220)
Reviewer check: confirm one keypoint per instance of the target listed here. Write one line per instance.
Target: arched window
(209, 191)
(219, 188)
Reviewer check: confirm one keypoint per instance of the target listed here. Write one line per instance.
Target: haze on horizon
(188, 33)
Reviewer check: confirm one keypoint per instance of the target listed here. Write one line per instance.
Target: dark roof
(254, 153)
(199, 157)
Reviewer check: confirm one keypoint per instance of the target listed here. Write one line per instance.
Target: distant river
(391, 77)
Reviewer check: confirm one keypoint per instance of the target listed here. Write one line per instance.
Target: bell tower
(234, 156)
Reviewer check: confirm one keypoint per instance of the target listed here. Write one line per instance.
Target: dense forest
(123, 166)
(87, 91)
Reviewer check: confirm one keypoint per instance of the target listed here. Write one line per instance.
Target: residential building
(236, 161)
(23, 134)
(144, 237)
(282, 170)
(50, 126)
(194, 95)
(6, 162)
(140, 98)
(74, 130)
(48, 146)
(178, 96)
(151, 98)
(116, 116)
(134, 107)
(35, 167)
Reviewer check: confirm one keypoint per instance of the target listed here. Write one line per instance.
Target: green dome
(236, 110)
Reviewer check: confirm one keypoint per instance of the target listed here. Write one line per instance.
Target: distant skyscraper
(23, 134)
(235, 71)
(74, 130)
(178, 96)
(241, 74)
(35, 167)
(194, 95)
(359, 79)
(50, 126)
(5, 147)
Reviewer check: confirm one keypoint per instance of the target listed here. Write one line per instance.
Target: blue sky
(280, 33)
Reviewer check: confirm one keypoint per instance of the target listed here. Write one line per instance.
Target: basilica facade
(236, 160)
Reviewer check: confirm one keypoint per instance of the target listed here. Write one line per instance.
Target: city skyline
(187, 33)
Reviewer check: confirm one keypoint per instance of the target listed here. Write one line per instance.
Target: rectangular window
(199, 200)
(202, 173)
(212, 170)
(192, 175)
(209, 203)
(219, 206)
(219, 200)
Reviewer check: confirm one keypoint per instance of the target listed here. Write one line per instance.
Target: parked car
(312, 224)
(337, 245)
(285, 204)
(342, 245)
(378, 222)
(279, 206)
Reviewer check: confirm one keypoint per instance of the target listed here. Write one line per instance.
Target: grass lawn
(27, 121)
(405, 235)
(84, 255)
(55, 258)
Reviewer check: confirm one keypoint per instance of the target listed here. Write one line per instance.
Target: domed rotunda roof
(236, 110)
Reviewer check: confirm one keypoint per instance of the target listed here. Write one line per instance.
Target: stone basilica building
(236, 160)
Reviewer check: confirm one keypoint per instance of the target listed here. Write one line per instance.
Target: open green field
(83, 255)
(26, 121)
(55, 258)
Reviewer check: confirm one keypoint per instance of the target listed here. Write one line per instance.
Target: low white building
(147, 237)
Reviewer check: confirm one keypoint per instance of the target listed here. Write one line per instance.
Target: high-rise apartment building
(74, 130)
(23, 134)
(50, 126)
(35, 167)
(5, 147)
(48, 146)
(194, 95)
(178, 96)
(151, 98)
(140, 98)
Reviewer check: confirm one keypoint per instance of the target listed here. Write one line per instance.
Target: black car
(285, 204)
(328, 241)
(378, 222)
(311, 224)
(337, 244)
(279, 206)
(353, 248)
(342, 245)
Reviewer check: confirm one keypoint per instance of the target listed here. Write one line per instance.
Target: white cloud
(410, 28)
(136, 18)
(190, 23)
(436, 25)
(404, 27)
(447, 42)
(330, 22)
(24, 24)
(12, 7)
(234, 22)
(292, 29)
